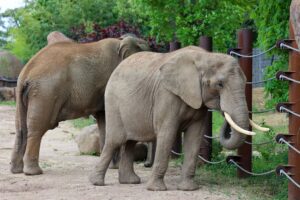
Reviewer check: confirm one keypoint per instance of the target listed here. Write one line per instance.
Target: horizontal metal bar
(258, 82)
(282, 172)
(251, 173)
(283, 77)
(285, 46)
(282, 140)
(251, 56)
(282, 109)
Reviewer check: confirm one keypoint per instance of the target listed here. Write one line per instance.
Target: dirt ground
(65, 172)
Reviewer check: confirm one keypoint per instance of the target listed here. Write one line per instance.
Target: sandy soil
(65, 172)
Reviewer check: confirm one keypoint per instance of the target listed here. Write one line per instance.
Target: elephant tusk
(236, 127)
(256, 126)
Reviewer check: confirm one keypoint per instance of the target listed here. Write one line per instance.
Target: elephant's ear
(122, 49)
(183, 81)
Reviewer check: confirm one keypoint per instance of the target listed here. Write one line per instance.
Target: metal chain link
(263, 81)
(290, 178)
(211, 137)
(262, 143)
(251, 173)
(211, 162)
(251, 56)
(282, 45)
(262, 111)
(281, 140)
(282, 109)
(283, 77)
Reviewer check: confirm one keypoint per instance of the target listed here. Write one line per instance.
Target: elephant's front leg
(192, 142)
(164, 142)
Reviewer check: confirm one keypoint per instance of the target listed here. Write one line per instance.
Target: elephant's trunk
(239, 114)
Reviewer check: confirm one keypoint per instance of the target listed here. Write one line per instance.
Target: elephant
(55, 37)
(65, 80)
(152, 96)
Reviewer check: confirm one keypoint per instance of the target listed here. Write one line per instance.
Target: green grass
(223, 176)
(83, 122)
(7, 103)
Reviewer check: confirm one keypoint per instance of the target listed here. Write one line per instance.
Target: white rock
(88, 140)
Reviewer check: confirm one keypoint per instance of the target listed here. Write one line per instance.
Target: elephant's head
(213, 80)
(130, 45)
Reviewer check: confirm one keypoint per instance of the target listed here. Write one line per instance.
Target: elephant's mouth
(239, 129)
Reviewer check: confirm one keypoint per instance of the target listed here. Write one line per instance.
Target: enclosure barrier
(292, 139)
(242, 161)
(6, 82)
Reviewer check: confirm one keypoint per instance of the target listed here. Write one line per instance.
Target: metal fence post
(245, 41)
(294, 121)
(206, 144)
(177, 147)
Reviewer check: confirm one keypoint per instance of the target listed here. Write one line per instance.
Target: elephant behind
(65, 80)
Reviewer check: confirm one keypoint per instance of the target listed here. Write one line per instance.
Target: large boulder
(10, 65)
(88, 140)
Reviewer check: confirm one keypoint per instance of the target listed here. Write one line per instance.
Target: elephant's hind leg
(18, 153)
(97, 176)
(126, 171)
(39, 119)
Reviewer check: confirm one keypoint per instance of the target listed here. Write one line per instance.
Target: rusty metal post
(245, 42)
(206, 144)
(177, 147)
(294, 121)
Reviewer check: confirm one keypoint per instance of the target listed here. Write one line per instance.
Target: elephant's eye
(220, 85)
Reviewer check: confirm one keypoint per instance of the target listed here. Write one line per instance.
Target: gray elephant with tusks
(65, 80)
(155, 95)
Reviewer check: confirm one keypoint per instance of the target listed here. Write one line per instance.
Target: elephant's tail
(21, 115)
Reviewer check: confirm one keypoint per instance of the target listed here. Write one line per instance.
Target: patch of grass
(83, 122)
(7, 103)
(223, 177)
(94, 153)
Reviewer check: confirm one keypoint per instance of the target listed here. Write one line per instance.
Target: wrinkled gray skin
(154, 95)
(64, 80)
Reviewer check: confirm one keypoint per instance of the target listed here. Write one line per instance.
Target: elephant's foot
(32, 170)
(188, 185)
(16, 166)
(156, 184)
(97, 178)
(129, 178)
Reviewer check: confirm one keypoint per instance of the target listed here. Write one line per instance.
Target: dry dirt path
(65, 172)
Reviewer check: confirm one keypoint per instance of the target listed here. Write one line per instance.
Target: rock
(7, 94)
(88, 140)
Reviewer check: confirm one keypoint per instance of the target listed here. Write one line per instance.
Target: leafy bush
(83, 34)
(272, 26)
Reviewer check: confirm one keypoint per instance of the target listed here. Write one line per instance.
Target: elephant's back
(134, 71)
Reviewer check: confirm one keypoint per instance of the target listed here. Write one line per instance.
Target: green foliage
(272, 26)
(40, 17)
(7, 103)
(187, 20)
(83, 122)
